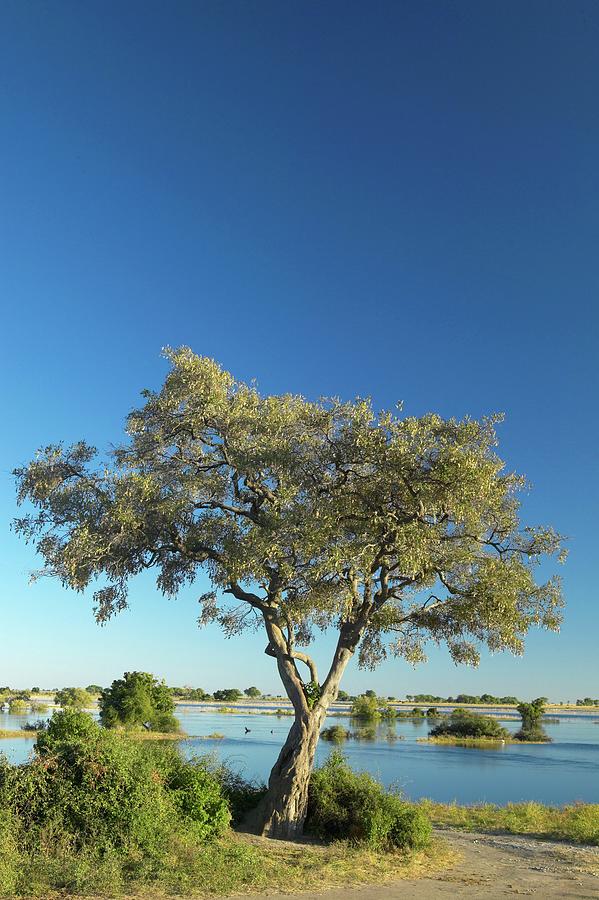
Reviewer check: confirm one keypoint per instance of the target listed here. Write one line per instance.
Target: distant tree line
(226, 695)
(464, 698)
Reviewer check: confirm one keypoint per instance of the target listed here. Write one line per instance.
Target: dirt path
(492, 868)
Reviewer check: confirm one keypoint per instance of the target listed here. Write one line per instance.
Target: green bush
(335, 733)
(138, 699)
(242, 795)
(74, 698)
(465, 724)
(92, 789)
(365, 707)
(196, 793)
(347, 805)
(9, 855)
(534, 734)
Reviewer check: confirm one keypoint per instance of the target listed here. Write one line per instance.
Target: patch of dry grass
(16, 733)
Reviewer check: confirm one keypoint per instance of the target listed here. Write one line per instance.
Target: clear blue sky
(396, 199)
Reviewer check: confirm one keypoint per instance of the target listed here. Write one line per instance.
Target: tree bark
(282, 811)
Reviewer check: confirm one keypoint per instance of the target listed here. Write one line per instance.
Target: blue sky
(391, 199)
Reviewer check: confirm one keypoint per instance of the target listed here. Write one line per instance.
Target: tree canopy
(138, 699)
(74, 698)
(306, 515)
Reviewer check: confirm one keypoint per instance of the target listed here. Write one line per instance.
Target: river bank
(493, 866)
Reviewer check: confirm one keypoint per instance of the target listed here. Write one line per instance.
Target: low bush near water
(464, 724)
(347, 805)
(96, 813)
(93, 794)
(335, 733)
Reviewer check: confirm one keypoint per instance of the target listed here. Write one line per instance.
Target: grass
(17, 733)
(473, 741)
(236, 864)
(465, 741)
(158, 735)
(578, 822)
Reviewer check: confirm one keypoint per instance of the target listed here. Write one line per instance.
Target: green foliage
(313, 693)
(365, 707)
(9, 848)
(228, 695)
(343, 696)
(345, 805)
(189, 693)
(532, 714)
(325, 504)
(74, 698)
(369, 707)
(94, 689)
(466, 724)
(335, 733)
(16, 706)
(137, 699)
(91, 788)
(578, 822)
(95, 812)
(196, 793)
(37, 726)
(253, 693)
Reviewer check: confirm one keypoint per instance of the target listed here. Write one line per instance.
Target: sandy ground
(491, 867)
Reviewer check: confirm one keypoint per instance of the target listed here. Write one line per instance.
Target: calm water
(562, 772)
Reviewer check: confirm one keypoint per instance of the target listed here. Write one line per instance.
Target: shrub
(365, 707)
(347, 805)
(534, 734)
(335, 733)
(466, 724)
(74, 698)
(17, 706)
(89, 789)
(228, 695)
(37, 726)
(9, 855)
(196, 793)
(242, 795)
(371, 708)
(138, 699)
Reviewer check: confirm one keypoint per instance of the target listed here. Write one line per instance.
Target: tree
(532, 715)
(138, 698)
(342, 695)
(74, 698)
(306, 516)
(252, 692)
(228, 695)
(94, 689)
(366, 706)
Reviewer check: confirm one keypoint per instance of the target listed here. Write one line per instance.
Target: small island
(469, 729)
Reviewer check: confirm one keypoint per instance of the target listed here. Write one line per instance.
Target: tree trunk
(282, 811)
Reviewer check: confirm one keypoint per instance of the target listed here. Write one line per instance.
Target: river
(565, 771)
